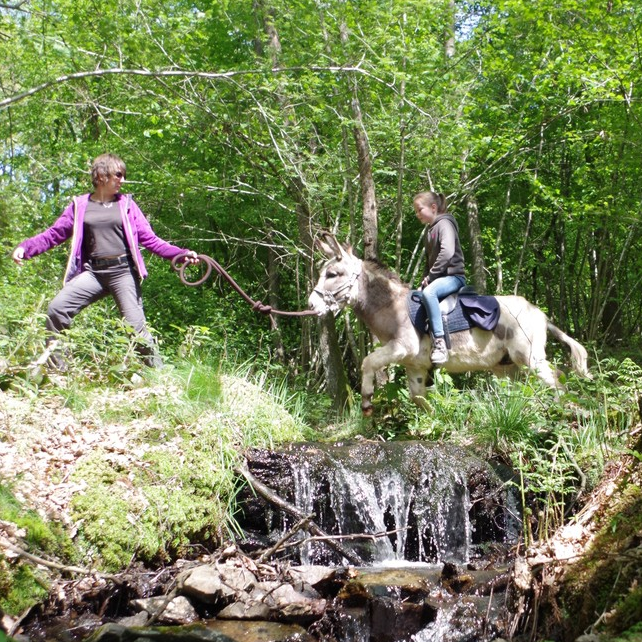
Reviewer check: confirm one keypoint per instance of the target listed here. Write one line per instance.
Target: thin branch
(353, 536)
(14, 7)
(168, 73)
(302, 524)
(268, 494)
(5, 543)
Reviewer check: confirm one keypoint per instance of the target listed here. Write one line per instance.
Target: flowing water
(423, 505)
(429, 523)
(436, 503)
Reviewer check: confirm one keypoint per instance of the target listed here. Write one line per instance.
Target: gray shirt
(103, 235)
(443, 251)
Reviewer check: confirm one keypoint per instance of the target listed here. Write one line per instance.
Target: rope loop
(202, 258)
(180, 262)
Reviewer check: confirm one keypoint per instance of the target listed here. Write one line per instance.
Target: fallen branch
(5, 543)
(302, 524)
(305, 540)
(279, 502)
(354, 536)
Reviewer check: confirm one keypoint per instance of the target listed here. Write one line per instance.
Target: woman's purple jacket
(70, 225)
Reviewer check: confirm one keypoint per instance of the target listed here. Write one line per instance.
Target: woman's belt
(109, 261)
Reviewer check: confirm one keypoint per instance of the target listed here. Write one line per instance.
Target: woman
(445, 264)
(106, 228)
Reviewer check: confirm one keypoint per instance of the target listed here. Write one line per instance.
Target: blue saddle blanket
(470, 310)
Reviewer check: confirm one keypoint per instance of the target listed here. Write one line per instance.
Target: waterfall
(434, 502)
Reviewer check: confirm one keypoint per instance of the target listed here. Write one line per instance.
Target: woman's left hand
(191, 257)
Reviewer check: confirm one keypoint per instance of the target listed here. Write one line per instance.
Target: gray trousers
(123, 284)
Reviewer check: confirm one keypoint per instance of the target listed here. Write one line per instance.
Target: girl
(444, 264)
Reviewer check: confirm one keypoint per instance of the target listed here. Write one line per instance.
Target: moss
(20, 587)
(44, 536)
(627, 613)
(634, 634)
(607, 578)
(155, 507)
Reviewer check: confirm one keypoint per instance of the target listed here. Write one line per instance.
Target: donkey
(379, 299)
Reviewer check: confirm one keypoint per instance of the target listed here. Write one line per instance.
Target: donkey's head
(336, 286)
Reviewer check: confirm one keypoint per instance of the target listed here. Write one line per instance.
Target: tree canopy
(247, 127)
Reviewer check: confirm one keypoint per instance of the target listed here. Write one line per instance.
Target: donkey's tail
(579, 356)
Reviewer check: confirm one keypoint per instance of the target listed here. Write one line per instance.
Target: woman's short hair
(105, 166)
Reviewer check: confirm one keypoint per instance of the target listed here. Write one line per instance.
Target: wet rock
(319, 577)
(216, 584)
(296, 607)
(179, 610)
(454, 579)
(139, 619)
(448, 571)
(241, 631)
(276, 601)
(119, 633)
(245, 611)
(391, 620)
(354, 595)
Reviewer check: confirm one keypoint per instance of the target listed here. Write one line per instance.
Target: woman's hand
(191, 257)
(18, 255)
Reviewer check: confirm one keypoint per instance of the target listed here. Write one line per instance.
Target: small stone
(178, 611)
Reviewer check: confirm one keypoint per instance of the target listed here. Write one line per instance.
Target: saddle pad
(454, 321)
(469, 311)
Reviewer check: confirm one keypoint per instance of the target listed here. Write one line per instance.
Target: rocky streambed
(229, 596)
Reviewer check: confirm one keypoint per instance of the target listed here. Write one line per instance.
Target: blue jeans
(433, 293)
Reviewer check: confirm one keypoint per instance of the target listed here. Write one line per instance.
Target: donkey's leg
(536, 360)
(527, 345)
(377, 359)
(544, 369)
(417, 385)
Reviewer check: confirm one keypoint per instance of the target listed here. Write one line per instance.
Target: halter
(331, 300)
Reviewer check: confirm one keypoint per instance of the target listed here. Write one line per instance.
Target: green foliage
(22, 586)
(40, 534)
(447, 410)
(177, 487)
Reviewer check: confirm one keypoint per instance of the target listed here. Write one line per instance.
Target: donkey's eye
(330, 275)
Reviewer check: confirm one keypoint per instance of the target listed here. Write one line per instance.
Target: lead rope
(211, 264)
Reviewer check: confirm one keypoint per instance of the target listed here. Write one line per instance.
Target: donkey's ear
(328, 244)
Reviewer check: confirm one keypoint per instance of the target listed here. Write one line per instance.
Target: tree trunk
(368, 198)
(449, 47)
(368, 194)
(476, 247)
(400, 204)
(336, 383)
(273, 297)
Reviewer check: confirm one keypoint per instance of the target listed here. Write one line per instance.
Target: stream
(431, 524)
